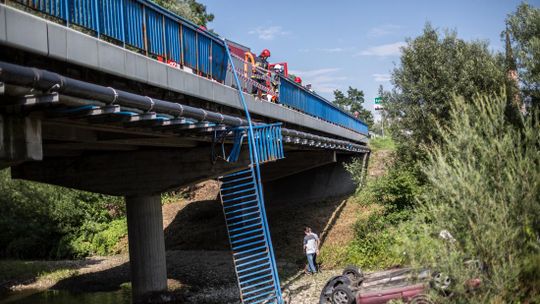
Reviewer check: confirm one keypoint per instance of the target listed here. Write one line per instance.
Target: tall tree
(353, 103)
(432, 70)
(189, 9)
(524, 28)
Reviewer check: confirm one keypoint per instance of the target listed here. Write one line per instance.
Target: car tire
(355, 274)
(441, 283)
(342, 295)
(421, 299)
(326, 293)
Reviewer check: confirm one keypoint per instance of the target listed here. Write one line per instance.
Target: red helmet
(265, 53)
(298, 80)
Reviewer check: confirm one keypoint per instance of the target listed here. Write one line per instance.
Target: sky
(342, 43)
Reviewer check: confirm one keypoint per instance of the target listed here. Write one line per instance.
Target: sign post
(379, 107)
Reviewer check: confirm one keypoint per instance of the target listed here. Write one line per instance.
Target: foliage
(42, 221)
(353, 103)
(396, 191)
(93, 238)
(382, 143)
(432, 70)
(484, 188)
(391, 198)
(357, 169)
(524, 28)
(189, 9)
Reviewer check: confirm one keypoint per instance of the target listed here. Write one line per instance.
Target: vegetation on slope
(467, 164)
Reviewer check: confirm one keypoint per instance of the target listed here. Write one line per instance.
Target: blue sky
(341, 43)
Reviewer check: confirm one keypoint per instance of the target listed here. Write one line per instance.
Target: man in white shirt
(311, 248)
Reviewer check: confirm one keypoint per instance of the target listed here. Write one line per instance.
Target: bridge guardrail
(146, 27)
(297, 97)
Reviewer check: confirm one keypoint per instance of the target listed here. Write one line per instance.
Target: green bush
(40, 221)
(484, 188)
(396, 190)
(94, 239)
(391, 198)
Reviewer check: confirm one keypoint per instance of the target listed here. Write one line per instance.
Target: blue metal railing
(268, 141)
(264, 243)
(292, 95)
(155, 31)
(145, 26)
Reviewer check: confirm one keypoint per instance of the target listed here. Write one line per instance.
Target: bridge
(127, 99)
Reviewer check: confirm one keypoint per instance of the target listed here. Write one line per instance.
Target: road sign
(378, 107)
(378, 100)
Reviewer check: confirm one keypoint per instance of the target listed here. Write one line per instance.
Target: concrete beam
(129, 173)
(146, 247)
(296, 162)
(317, 184)
(20, 140)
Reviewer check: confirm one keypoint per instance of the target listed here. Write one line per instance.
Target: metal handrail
(255, 166)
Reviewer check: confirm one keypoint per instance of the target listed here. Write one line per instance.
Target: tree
(353, 103)
(432, 70)
(189, 9)
(524, 29)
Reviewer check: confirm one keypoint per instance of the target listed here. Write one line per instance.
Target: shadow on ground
(198, 257)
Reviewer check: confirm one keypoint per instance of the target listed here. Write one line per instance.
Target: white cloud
(313, 73)
(391, 49)
(337, 50)
(383, 30)
(381, 77)
(268, 33)
(322, 80)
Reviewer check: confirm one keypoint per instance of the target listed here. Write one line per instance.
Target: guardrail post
(164, 40)
(145, 38)
(123, 24)
(96, 18)
(66, 11)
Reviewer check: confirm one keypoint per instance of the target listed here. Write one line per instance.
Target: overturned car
(406, 284)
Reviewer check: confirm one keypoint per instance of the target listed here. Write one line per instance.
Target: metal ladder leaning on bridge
(245, 216)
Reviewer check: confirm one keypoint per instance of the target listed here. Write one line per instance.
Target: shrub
(396, 190)
(484, 188)
(40, 221)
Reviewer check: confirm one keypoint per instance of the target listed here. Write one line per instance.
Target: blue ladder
(249, 238)
(245, 215)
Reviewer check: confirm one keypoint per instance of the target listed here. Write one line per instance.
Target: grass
(33, 271)
(57, 275)
(382, 143)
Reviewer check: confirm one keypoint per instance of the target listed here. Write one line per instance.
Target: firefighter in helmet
(261, 62)
(278, 70)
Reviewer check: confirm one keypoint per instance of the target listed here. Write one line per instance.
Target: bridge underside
(74, 125)
(89, 145)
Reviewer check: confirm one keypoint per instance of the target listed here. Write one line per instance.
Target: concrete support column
(20, 140)
(146, 246)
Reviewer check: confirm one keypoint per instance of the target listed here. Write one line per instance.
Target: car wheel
(354, 274)
(342, 295)
(442, 283)
(421, 299)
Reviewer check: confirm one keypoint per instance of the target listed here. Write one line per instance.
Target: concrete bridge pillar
(146, 247)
